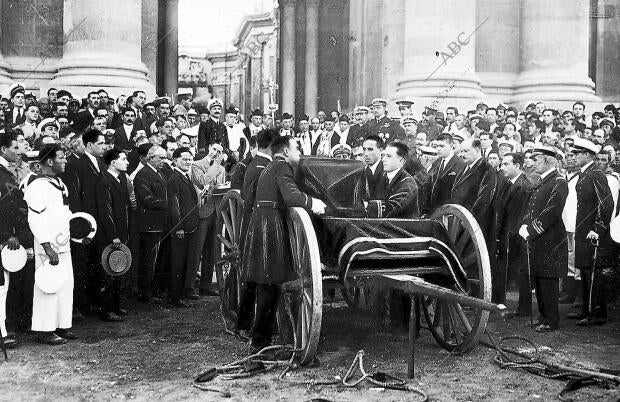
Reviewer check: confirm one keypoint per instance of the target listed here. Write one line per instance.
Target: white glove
(523, 232)
(318, 206)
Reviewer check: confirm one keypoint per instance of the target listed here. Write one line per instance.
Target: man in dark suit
(17, 113)
(170, 145)
(85, 118)
(595, 207)
(152, 218)
(248, 193)
(545, 234)
(213, 130)
(125, 134)
(113, 210)
(474, 187)
(512, 261)
(328, 139)
(443, 172)
(359, 131)
(138, 99)
(400, 195)
(14, 232)
(265, 262)
(183, 207)
(84, 178)
(373, 172)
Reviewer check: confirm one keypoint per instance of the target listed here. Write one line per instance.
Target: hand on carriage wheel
(318, 206)
(592, 235)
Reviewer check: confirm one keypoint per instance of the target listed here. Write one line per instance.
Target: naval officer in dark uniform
(544, 232)
(595, 206)
(382, 126)
(267, 258)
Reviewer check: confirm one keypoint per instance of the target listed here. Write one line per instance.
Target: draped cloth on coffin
(348, 241)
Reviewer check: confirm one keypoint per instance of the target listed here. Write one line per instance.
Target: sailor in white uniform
(48, 218)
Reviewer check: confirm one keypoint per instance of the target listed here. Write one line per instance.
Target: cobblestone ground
(157, 351)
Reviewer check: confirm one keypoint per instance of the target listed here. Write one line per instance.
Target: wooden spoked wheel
(305, 294)
(458, 328)
(228, 255)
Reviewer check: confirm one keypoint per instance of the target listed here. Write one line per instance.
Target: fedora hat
(79, 231)
(51, 278)
(13, 260)
(116, 259)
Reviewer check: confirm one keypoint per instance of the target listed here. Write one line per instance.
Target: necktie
(442, 165)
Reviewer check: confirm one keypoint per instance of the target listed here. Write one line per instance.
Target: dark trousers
(162, 267)
(86, 266)
(131, 278)
(547, 293)
(599, 298)
(19, 298)
(246, 306)
(511, 264)
(149, 250)
(203, 253)
(266, 306)
(180, 263)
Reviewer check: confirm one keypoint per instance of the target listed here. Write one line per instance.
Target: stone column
(5, 77)
(287, 23)
(171, 48)
(102, 48)
(393, 22)
(312, 57)
(554, 52)
(439, 54)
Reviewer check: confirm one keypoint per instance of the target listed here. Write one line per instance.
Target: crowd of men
(541, 183)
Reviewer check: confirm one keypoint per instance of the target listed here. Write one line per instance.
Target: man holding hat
(384, 127)
(212, 130)
(48, 218)
(17, 114)
(429, 125)
(545, 236)
(14, 229)
(595, 206)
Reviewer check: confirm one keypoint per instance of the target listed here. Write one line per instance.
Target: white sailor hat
(13, 260)
(475, 116)
(50, 121)
(581, 144)
(458, 137)
(379, 102)
(192, 112)
(51, 278)
(410, 119)
(404, 103)
(544, 150)
(507, 143)
(214, 102)
(427, 150)
(361, 109)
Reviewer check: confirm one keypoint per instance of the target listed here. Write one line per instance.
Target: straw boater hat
(116, 259)
(51, 278)
(13, 260)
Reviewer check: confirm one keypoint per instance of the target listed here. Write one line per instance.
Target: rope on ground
(272, 357)
(534, 364)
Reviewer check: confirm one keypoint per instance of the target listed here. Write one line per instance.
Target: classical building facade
(342, 53)
(119, 45)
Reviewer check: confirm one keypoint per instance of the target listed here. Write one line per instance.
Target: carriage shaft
(418, 286)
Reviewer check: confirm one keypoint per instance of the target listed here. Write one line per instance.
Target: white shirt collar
(215, 120)
(547, 173)
(266, 156)
(116, 175)
(4, 162)
(583, 168)
(374, 167)
(474, 162)
(152, 167)
(182, 172)
(447, 159)
(93, 160)
(514, 180)
(390, 175)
